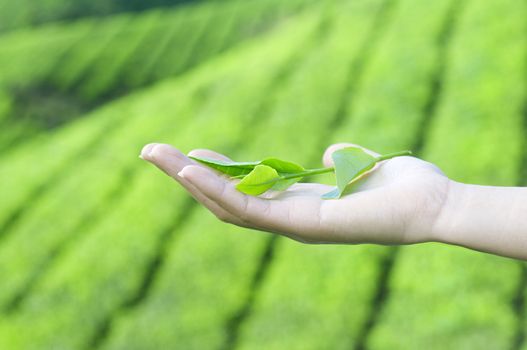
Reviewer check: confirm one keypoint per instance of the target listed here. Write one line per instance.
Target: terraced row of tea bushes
(24, 13)
(111, 258)
(101, 66)
(73, 52)
(111, 57)
(22, 78)
(5, 104)
(81, 56)
(19, 49)
(89, 59)
(53, 154)
(325, 294)
(184, 300)
(84, 193)
(166, 50)
(65, 60)
(35, 104)
(460, 298)
(201, 32)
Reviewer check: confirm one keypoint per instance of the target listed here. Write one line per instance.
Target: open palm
(396, 203)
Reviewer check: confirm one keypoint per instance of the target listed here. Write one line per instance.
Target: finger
(145, 152)
(257, 212)
(207, 153)
(328, 161)
(172, 161)
(214, 208)
(165, 157)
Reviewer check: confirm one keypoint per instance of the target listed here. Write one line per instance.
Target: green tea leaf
(285, 169)
(261, 179)
(238, 169)
(349, 163)
(283, 185)
(282, 166)
(227, 167)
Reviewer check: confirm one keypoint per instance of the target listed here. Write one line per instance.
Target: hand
(397, 203)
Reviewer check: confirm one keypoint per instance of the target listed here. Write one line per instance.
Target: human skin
(405, 200)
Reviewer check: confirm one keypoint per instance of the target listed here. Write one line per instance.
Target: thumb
(328, 161)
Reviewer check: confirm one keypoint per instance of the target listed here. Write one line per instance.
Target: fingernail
(145, 152)
(183, 171)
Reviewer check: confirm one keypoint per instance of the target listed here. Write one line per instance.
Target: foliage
(350, 164)
(30, 13)
(99, 251)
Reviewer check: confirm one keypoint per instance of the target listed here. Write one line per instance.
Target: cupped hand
(397, 203)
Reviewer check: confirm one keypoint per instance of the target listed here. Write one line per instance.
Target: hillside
(25, 13)
(87, 64)
(98, 250)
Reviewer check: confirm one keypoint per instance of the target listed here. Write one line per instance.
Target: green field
(99, 250)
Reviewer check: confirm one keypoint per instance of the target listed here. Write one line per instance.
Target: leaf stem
(393, 155)
(241, 176)
(308, 172)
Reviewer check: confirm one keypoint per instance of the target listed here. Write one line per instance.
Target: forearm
(485, 218)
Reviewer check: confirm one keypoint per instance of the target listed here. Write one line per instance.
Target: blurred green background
(99, 250)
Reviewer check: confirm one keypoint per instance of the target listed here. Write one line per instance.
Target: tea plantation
(99, 250)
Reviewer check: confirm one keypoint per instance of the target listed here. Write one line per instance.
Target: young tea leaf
(282, 166)
(227, 167)
(349, 163)
(237, 169)
(261, 179)
(283, 185)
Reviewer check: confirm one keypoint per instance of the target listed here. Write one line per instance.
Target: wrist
(434, 214)
(441, 227)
